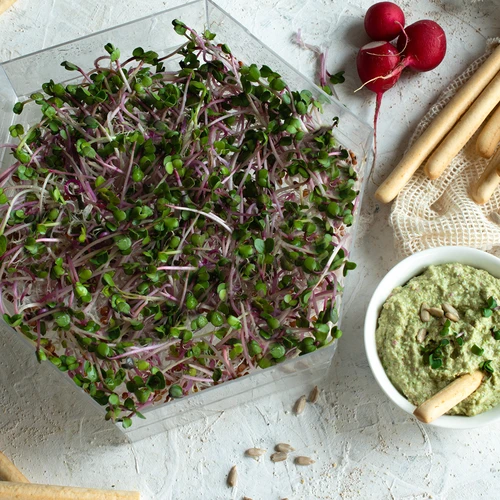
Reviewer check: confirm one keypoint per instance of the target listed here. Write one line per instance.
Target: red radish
(379, 69)
(384, 21)
(423, 45)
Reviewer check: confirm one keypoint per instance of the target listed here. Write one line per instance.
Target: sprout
(162, 232)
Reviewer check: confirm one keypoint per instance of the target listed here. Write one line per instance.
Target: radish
(384, 21)
(423, 45)
(379, 67)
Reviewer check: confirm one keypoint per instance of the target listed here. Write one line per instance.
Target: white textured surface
(364, 446)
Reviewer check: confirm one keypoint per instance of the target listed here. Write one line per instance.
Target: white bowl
(399, 275)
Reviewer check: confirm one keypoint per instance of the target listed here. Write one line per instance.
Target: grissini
(5, 4)
(9, 472)
(447, 398)
(463, 130)
(27, 491)
(488, 182)
(489, 137)
(438, 129)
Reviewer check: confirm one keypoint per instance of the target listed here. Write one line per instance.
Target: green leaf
(14, 320)
(277, 351)
(487, 312)
(114, 399)
(259, 245)
(113, 52)
(3, 244)
(175, 391)
(337, 78)
(103, 350)
(69, 66)
(156, 382)
(254, 348)
(18, 108)
(16, 130)
(126, 422)
(277, 84)
(108, 278)
(90, 371)
(124, 243)
(179, 27)
(208, 35)
(269, 245)
(62, 319)
(91, 122)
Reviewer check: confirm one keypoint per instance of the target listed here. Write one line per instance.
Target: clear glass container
(22, 76)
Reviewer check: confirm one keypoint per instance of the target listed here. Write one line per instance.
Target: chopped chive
(478, 351)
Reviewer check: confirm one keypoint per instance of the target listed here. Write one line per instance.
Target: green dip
(465, 288)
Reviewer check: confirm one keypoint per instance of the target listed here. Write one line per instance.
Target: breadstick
(5, 4)
(27, 491)
(488, 182)
(9, 472)
(447, 398)
(489, 137)
(438, 129)
(463, 130)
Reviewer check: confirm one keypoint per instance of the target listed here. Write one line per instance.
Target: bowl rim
(403, 271)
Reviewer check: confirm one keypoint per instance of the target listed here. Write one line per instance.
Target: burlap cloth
(436, 213)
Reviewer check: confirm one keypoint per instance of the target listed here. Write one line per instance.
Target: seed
(247, 498)
(284, 448)
(422, 333)
(452, 317)
(303, 461)
(300, 405)
(436, 312)
(424, 313)
(279, 456)
(232, 477)
(255, 452)
(314, 395)
(450, 309)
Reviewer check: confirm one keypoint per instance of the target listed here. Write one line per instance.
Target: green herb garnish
(486, 366)
(478, 351)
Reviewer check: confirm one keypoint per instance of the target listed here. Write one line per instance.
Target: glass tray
(22, 76)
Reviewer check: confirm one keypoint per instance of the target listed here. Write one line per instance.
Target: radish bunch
(420, 46)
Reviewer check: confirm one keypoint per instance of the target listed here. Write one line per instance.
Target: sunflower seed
(300, 405)
(452, 317)
(314, 395)
(436, 312)
(255, 452)
(279, 456)
(422, 333)
(303, 461)
(449, 309)
(247, 498)
(424, 313)
(284, 448)
(232, 477)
